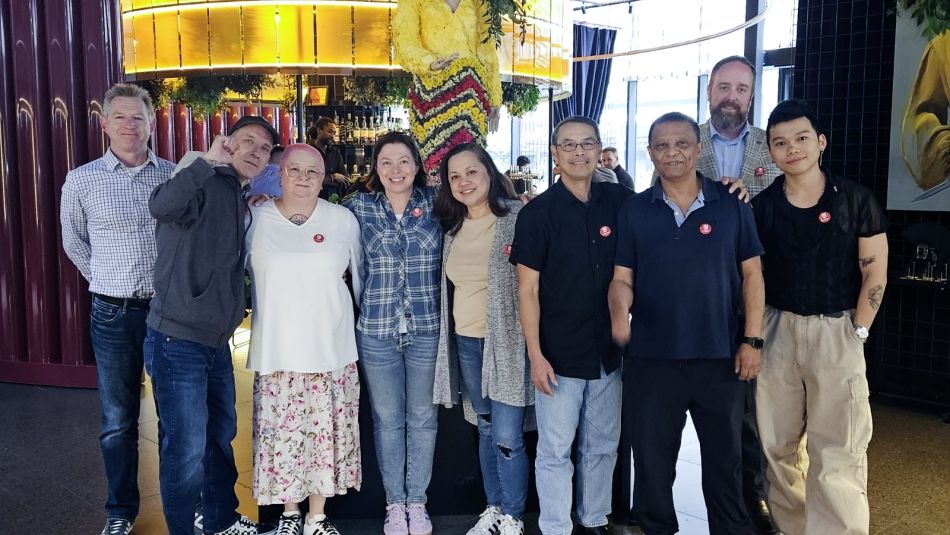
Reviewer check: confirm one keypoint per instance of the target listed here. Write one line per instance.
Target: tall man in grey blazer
(733, 148)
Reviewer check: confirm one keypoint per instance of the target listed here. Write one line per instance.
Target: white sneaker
(509, 525)
(486, 521)
(319, 527)
(117, 526)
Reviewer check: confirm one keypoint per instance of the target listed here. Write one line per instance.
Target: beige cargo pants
(814, 422)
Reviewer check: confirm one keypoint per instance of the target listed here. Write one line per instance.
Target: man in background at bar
(611, 160)
(322, 133)
(110, 236)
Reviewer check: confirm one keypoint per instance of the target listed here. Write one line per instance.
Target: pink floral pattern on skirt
(306, 434)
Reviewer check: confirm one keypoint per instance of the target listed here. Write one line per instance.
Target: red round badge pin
(824, 217)
(318, 238)
(759, 171)
(416, 212)
(605, 231)
(506, 249)
(705, 229)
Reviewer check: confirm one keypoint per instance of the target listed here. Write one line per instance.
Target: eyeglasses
(311, 174)
(571, 146)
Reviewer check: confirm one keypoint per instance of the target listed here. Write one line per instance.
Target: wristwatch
(755, 343)
(861, 331)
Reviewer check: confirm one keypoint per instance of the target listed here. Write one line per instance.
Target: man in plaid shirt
(110, 236)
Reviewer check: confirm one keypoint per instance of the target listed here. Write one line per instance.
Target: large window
(666, 80)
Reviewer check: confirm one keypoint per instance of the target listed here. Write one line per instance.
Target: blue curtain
(590, 77)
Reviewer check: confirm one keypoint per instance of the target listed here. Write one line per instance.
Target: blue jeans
(194, 389)
(117, 335)
(501, 450)
(399, 375)
(591, 410)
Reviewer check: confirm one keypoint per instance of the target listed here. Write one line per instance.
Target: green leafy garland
(932, 16)
(499, 9)
(377, 90)
(520, 98)
(204, 94)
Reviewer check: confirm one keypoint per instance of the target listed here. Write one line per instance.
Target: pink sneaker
(396, 520)
(419, 523)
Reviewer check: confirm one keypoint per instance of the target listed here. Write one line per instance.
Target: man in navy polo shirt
(687, 262)
(564, 249)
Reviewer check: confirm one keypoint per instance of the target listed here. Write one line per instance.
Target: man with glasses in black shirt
(564, 250)
(825, 271)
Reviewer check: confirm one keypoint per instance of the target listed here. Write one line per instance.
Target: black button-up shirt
(812, 268)
(571, 244)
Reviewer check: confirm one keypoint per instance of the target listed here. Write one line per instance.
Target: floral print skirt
(306, 434)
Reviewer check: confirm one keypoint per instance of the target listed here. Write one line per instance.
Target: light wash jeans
(399, 376)
(591, 410)
(501, 449)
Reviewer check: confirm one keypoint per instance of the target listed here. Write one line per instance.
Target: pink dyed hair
(302, 148)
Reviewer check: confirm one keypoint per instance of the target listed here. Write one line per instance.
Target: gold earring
(821, 153)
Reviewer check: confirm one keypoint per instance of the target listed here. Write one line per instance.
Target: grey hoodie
(199, 272)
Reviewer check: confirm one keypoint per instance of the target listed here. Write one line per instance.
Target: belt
(130, 303)
(838, 314)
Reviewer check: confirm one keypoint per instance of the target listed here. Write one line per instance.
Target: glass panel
(499, 142)
(769, 98)
(534, 144)
(781, 24)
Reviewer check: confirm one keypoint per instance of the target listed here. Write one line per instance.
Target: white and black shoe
(243, 526)
(117, 526)
(509, 525)
(290, 524)
(319, 527)
(486, 521)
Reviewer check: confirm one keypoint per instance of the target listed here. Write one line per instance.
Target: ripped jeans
(501, 449)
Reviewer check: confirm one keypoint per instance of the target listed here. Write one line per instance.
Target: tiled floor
(51, 474)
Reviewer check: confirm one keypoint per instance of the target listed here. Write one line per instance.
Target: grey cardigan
(506, 376)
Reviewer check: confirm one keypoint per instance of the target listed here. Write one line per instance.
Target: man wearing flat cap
(198, 302)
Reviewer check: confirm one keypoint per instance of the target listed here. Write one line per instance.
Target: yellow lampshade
(171, 38)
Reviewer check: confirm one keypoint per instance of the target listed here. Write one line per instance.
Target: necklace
(824, 186)
(298, 219)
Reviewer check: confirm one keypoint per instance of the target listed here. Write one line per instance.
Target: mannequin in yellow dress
(456, 88)
(925, 132)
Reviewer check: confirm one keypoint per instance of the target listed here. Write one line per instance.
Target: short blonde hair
(130, 91)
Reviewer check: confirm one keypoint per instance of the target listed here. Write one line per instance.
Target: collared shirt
(403, 264)
(107, 229)
(571, 244)
(822, 275)
(687, 285)
(729, 152)
(678, 214)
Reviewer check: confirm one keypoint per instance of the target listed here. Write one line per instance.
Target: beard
(728, 119)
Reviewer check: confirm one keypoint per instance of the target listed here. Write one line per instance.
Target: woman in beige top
(480, 338)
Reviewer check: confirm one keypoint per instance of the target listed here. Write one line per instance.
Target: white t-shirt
(302, 317)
